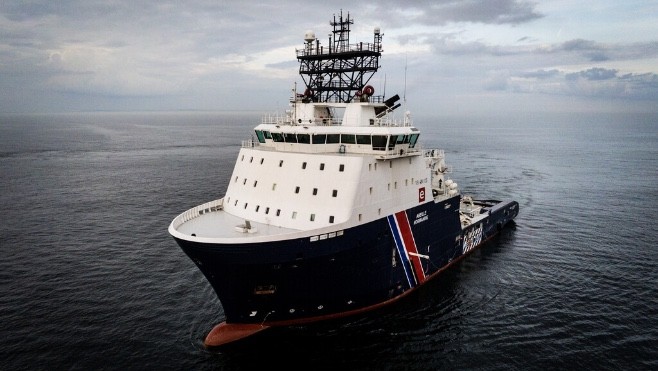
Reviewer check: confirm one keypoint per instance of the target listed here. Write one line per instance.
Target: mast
(341, 71)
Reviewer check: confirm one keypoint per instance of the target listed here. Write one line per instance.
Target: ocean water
(90, 279)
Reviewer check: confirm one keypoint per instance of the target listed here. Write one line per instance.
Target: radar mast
(339, 72)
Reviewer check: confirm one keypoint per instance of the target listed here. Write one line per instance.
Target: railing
(321, 50)
(197, 211)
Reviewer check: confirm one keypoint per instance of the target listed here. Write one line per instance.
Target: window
(277, 137)
(255, 182)
(251, 159)
(280, 163)
(261, 160)
(333, 138)
(370, 190)
(297, 189)
(278, 212)
(348, 138)
(334, 193)
(331, 219)
(294, 215)
(321, 166)
(303, 165)
(360, 217)
(341, 167)
(312, 217)
(413, 140)
(257, 208)
(236, 203)
(236, 179)
(261, 137)
(379, 142)
(273, 186)
(319, 138)
(304, 138)
(242, 158)
(363, 139)
(290, 137)
(245, 204)
(267, 210)
(244, 181)
(315, 191)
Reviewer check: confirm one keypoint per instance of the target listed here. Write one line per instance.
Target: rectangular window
(290, 137)
(257, 208)
(348, 138)
(294, 215)
(251, 159)
(312, 217)
(319, 138)
(280, 163)
(244, 181)
(334, 193)
(261, 160)
(315, 191)
(331, 219)
(363, 139)
(273, 186)
(360, 217)
(297, 189)
(278, 212)
(304, 138)
(245, 204)
(267, 210)
(255, 182)
(303, 165)
(333, 138)
(370, 190)
(379, 142)
(277, 137)
(341, 167)
(321, 166)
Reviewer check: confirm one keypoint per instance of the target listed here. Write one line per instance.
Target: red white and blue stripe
(406, 245)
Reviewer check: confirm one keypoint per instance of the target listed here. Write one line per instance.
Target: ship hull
(357, 269)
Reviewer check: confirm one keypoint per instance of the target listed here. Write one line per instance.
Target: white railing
(197, 211)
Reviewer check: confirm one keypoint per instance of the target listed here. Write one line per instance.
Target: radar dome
(377, 31)
(309, 36)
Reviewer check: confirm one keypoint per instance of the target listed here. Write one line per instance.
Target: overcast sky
(460, 56)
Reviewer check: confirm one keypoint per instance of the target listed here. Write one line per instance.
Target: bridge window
(319, 138)
(363, 139)
(341, 167)
(303, 165)
(333, 138)
(348, 138)
(379, 142)
(304, 138)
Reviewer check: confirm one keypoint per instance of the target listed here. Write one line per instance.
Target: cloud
(441, 12)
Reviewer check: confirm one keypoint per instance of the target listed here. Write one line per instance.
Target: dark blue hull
(309, 279)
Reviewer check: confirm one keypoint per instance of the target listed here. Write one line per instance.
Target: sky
(442, 56)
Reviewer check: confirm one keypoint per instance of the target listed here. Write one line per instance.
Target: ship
(334, 207)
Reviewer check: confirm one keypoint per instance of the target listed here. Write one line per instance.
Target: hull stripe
(405, 243)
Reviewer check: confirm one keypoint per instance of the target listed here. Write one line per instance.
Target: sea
(90, 279)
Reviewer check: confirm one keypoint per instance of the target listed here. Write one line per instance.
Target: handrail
(197, 211)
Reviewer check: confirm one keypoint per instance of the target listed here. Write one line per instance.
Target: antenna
(404, 94)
